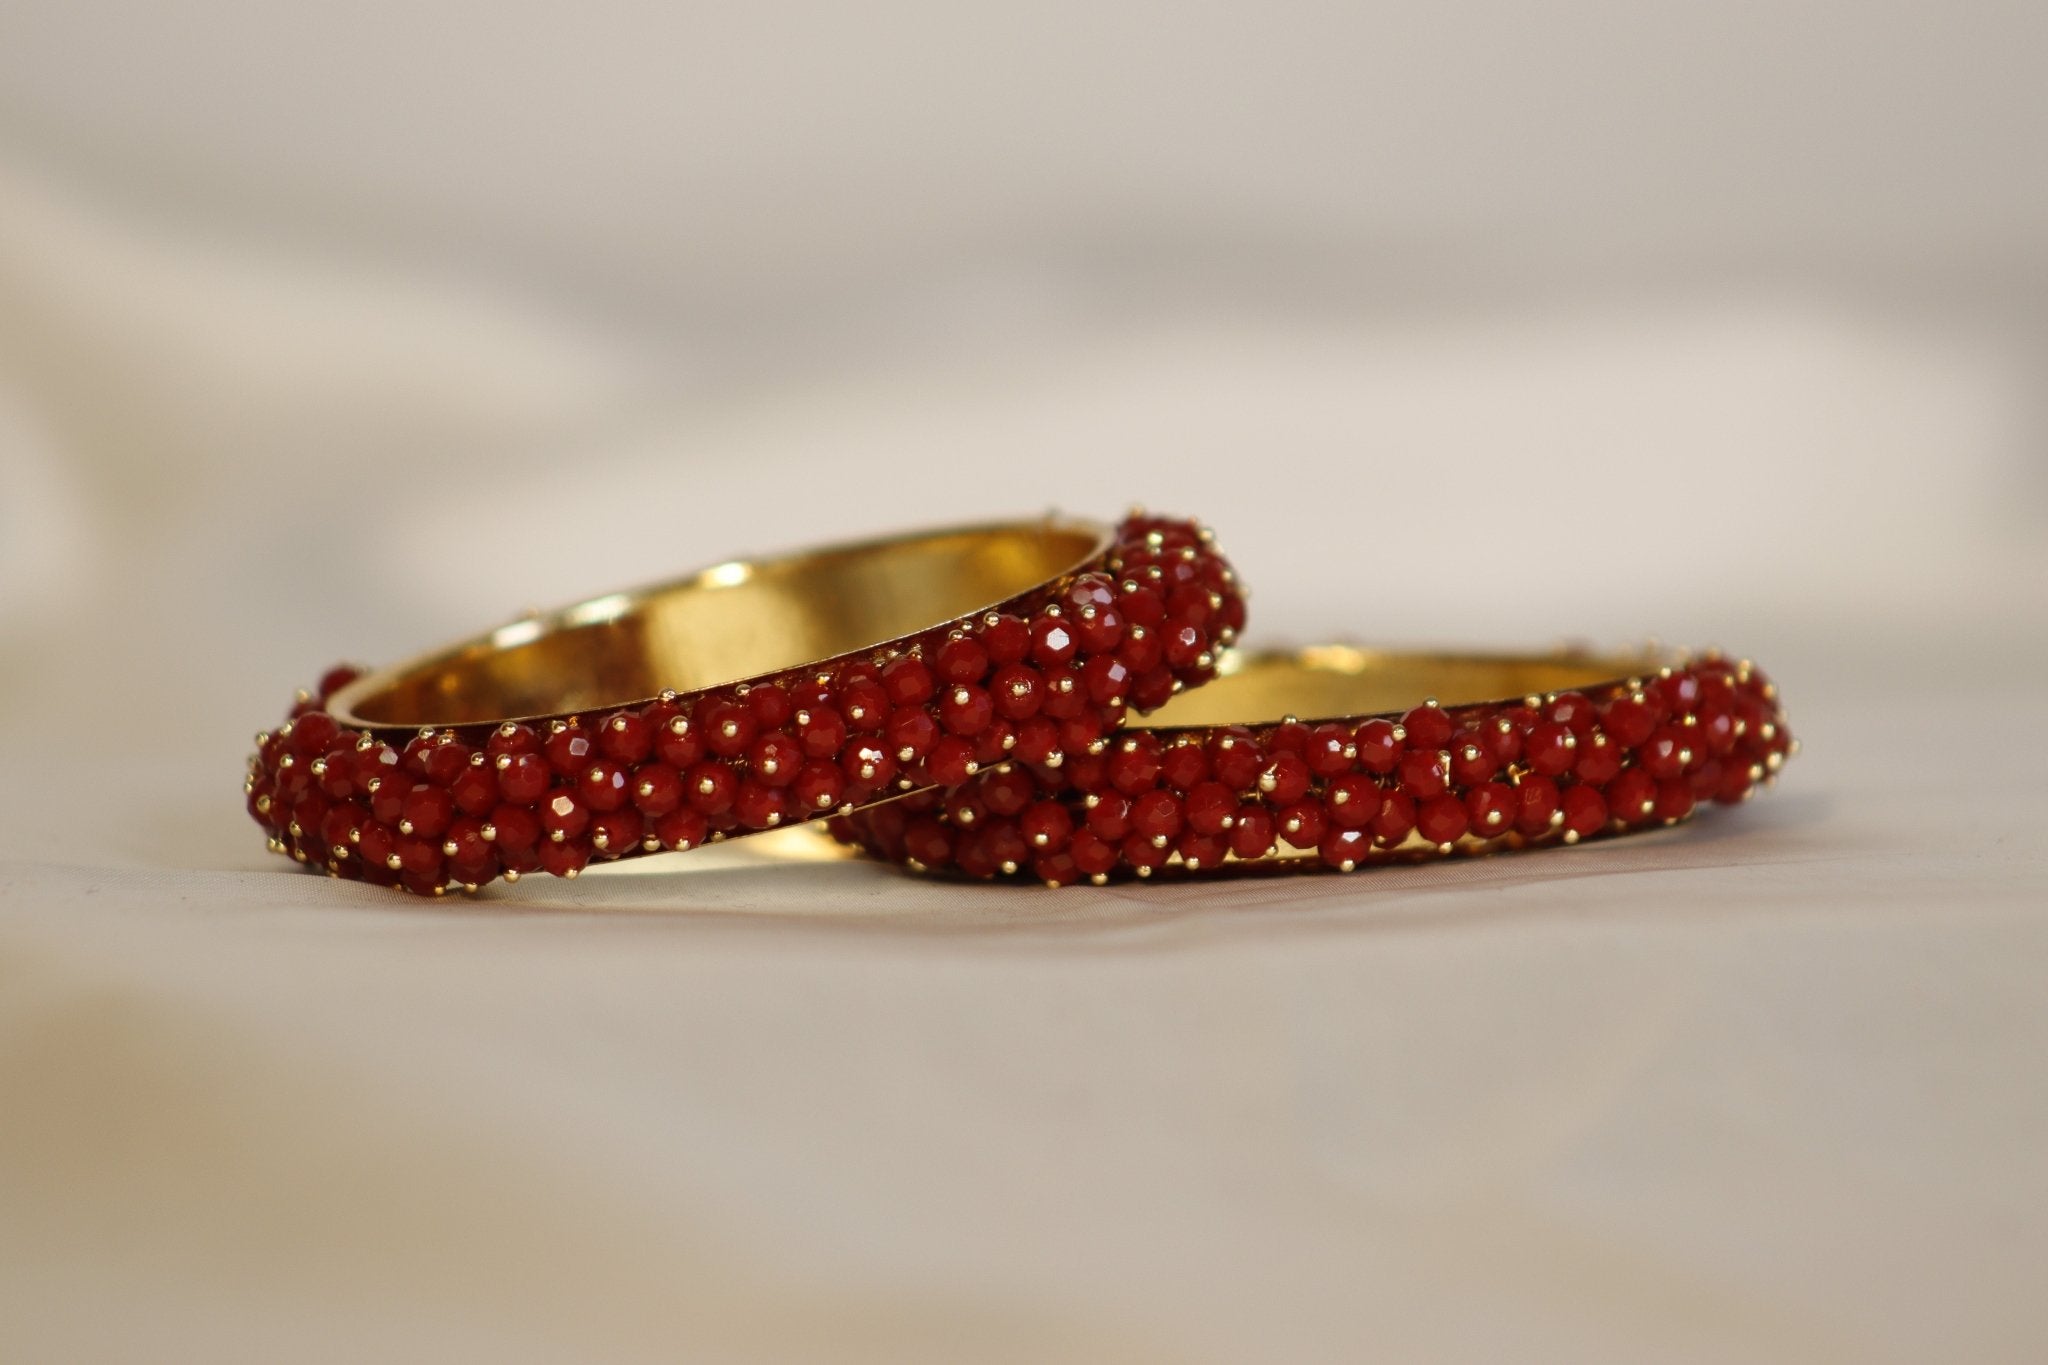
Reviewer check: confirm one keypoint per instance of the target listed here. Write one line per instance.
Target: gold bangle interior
(1332, 681)
(728, 623)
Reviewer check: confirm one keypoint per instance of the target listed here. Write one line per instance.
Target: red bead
(1210, 807)
(1674, 801)
(1018, 691)
(523, 777)
(1052, 642)
(1141, 605)
(380, 760)
(1681, 692)
(927, 841)
(1574, 712)
(657, 788)
(1598, 760)
(1055, 869)
(870, 767)
(443, 761)
(1303, 824)
(1290, 737)
(514, 827)
(819, 786)
(1046, 826)
(1353, 801)
(1551, 749)
(377, 844)
(616, 832)
(1424, 773)
(1038, 739)
(1395, 820)
(1345, 849)
(337, 767)
(512, 738)
(962, 659)
(1008, 792)
(1110, 815)
(1236, 759)
(1538, 801)
(1183, 765)
(1007, 640)
(1156, 815)
(340, 821)
(1107, 679)
(683, 828)
(1503, 740)
(1199, 850)
(760, 806)
(709, 786)
(625, 737)
(336, 678)
(1093, 857)
(603, 785)
(563, 815)
(728, 726)
(1585, 811)
(1134, 763)
(774, 759)
(1252, 836)
(1285, 778)
(1491, 809)
(569, 750)
(1329, 750)
(1632, 797)
(565, 859)
(1428, 727)
(1665, 754)
(966, 709)
(821, 730)
(464, 843)
(1142, 650)
(951, 761)
(1065, 695)
(679, 742)
(1184, 645)
(1442, 819)
(1144, 855)
(1629, 719)
(475, 790)
(770, 705)
(1471, 760)
(314, 733)
(419, 855)
(427, 812)
(1098, 628)
(907, 681)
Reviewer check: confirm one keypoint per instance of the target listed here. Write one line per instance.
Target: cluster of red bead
(1042, 679)
(1559, 768)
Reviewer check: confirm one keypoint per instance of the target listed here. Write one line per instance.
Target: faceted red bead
(313, 734)
(1538, 799)
(1052, 642)
(1253, 834)
(374, 762)
(1144, 855)
(1140, 605)
(376, 844)
(1110, 815)
(1632, 797)
(1183, 644)
(1198, 850)
(1674, 801)
(1209, 807)
(338, 770)
(951, 761)
(1007, 845)
(1715, 733)
(1152, 690)
(1472, 761)
(774, 759)
(1502, 739)
(1585, 810)
(962, 659)
(1681, 692)
(1629, 719)
(336, 678)
(569, 750)
(864, 705)
(1598, 759)
(514, 826)
(1093, 857)
(908, 681)
(1551, 749)
(1007, 640)
(1055, 869)
(1038, 739)
(1491, 809)
(1236, 759)
(1428, 727)
(657, 788)
(771, 705)
(512, 738)
(1345, 849)
(1156, 814)
(1303, 824)
(821, 730)
(603, 785)
(1442, 819)
(1107, 679)
(341, 820)
(1134, 763)
(465, 843)
(1008, 792)
(426, 812)
(1065, 695)
(760, 806)
(1328, 750)
(1396, 818)
(444, 761)
(819, 786)
(1290, 737)
(419, 854)
(565, 859)
(1353, 801)
(928, 841)
(709, 786)
(728, 726)
(563, 815)
(625, 737)
(1378, 748)
(523, 777)
(475, 789)
(1142, 649)
(1046, 825)
(1018, 691)
(1099, 628)
(1665, 753)
(1424, 773)
(1284, 779)
(1735, 786)
(1183, 765)
(1574, 712)
(966, 709)
(682, 828)
(869, 766)
(616, 832)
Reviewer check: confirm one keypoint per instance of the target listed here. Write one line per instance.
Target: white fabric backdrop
(1713, 356)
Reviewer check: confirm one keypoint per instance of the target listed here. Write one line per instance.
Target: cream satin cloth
(1771, 1087)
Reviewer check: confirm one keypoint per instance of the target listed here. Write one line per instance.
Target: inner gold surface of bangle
(1331, 681)
(727, 623)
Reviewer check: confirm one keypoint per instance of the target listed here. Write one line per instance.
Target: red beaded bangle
(1591, 747)
(543, 745)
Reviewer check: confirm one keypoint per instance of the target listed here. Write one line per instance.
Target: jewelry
(1586, 746)
(749, 696)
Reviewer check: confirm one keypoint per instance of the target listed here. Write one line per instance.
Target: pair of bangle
(962, 701)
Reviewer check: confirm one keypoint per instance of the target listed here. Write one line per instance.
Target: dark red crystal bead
(1428, 727)
(657, 788)
(603, 785)
(523, 777)
(1442, 819)
(1353, 801)
(1345, 849)
(1585, 810)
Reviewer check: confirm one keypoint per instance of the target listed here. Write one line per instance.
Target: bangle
(745, 697)
(1342, 758)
